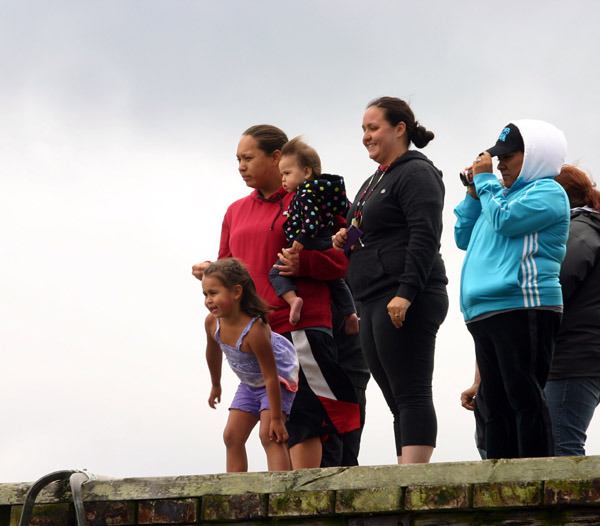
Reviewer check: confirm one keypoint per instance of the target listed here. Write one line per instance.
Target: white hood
(545, 150)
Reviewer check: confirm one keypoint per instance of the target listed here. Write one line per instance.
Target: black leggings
(401, 361)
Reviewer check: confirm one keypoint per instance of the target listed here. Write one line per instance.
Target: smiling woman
(397, 273)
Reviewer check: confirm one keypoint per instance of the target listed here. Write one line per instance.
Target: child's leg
(278, 457)
(307, 454)
(286, 289)
(295, 304)
(236, 433)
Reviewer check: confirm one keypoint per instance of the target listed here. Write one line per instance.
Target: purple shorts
(254, 399)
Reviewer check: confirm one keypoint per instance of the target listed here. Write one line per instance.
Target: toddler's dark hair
(306, 156)
(231, 272)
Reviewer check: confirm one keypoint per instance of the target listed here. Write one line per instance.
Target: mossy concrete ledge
(554, 491)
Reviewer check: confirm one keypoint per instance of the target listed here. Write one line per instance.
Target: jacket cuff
(407, 291)
(482, 178)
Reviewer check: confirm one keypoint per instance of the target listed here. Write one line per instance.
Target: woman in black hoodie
(396, 272)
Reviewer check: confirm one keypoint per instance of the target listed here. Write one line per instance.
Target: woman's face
(258, 169)
(510, 167)
(383, 141)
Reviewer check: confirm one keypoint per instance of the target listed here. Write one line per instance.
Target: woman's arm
(224, 250)
(214, 359)
(420, 196)
(467, 397)
(324, 265)
(467, 213)
(542, 204)
(583, 250)
(258, 341)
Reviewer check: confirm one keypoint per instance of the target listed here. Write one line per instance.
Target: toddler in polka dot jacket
(316, 212)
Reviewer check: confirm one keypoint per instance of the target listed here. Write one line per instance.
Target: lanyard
(366, 194)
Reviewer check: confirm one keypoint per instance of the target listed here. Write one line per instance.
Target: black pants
(401, 361)
(343, 450)
(514, 351)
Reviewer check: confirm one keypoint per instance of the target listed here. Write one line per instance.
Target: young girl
(265, 362)
(314, 214)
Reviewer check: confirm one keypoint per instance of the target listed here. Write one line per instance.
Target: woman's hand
(215, 396)
(338, 240)
(467, 397)
(468, 172)
(397, 308)
(199, 268)
(483, 164)
(290, 262)
(277, 431)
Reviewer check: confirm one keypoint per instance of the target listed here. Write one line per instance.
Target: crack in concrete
(322, 477)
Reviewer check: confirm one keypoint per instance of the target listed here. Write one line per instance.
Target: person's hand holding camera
(482, 164)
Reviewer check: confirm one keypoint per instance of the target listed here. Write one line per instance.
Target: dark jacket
(314, 207)
(577, 351)
(402, 225)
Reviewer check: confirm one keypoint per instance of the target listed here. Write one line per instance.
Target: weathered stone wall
(559, 491)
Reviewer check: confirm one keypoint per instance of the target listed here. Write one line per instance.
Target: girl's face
(384, 142)
(292, 174)
(258, 169)
(220, 300)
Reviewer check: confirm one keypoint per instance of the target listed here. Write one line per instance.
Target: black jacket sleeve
(420, 193)
(583, 249)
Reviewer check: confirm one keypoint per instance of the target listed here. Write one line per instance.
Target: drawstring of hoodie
(277, 197)
(280, 212)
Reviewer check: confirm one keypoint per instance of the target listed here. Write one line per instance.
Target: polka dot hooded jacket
(318, 207)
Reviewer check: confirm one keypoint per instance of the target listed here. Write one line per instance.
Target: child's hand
(296, 247)
(277, 431)
(215, 396)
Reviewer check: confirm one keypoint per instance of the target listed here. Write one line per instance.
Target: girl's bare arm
(214, 359)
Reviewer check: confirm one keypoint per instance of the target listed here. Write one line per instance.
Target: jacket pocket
(365, 268)
(392, 261)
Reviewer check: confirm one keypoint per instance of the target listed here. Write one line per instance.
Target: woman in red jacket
(252, 231)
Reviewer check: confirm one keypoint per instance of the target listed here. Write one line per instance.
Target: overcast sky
(119, 121)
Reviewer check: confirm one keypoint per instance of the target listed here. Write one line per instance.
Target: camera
(466, 178)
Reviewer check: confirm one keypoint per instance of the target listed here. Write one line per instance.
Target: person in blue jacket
(515, 235)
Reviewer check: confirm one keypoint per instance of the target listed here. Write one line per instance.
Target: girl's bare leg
(236, 433)
(278, 456)
(307, 454)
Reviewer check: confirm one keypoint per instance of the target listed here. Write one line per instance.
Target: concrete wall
(558, 491)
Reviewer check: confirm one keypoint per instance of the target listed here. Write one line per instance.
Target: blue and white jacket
(516, 237)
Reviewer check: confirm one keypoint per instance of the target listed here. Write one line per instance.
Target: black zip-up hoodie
(577, 351)
(402, 225)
